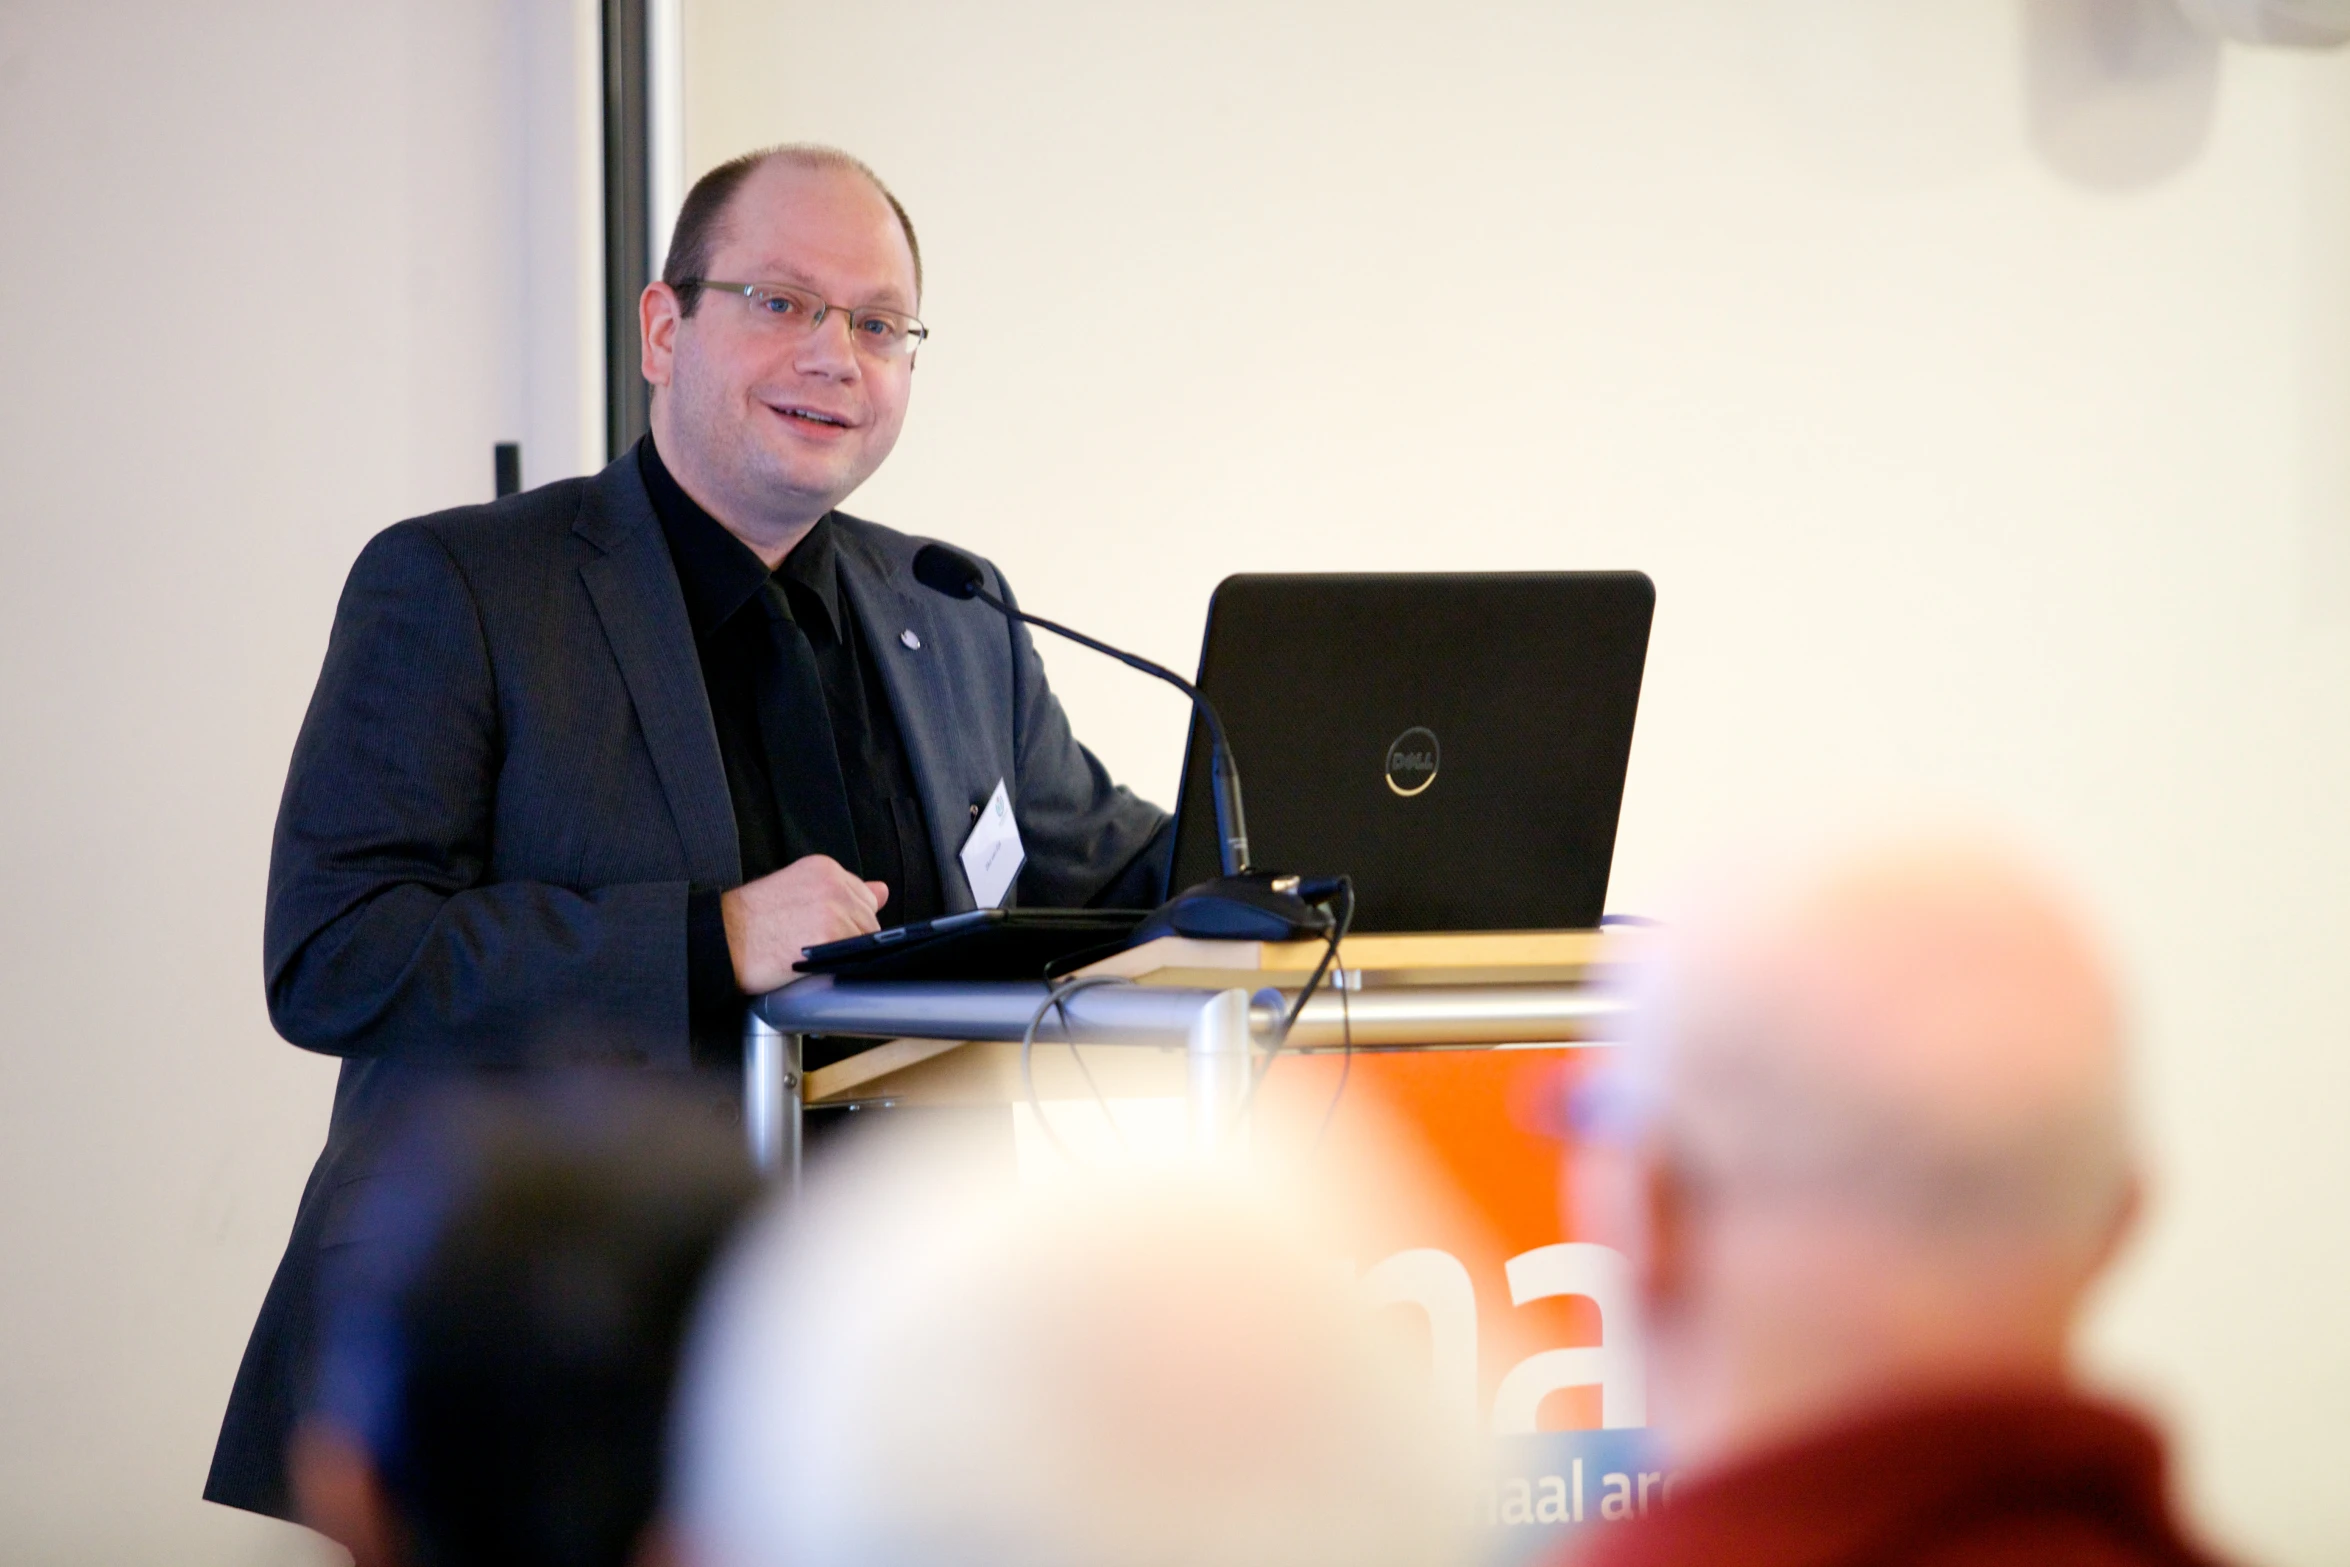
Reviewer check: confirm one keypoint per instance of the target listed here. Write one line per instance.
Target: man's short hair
(701, 221)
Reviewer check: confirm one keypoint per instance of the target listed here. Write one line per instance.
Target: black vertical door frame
(628, 261)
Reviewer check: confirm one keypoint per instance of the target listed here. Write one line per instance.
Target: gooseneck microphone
(958, 576)
(1240, 905)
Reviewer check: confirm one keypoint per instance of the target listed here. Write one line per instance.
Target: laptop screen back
(1455, 743)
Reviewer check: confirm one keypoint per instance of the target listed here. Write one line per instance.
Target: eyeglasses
(793, 313)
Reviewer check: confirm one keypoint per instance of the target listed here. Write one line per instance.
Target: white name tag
(992, 855)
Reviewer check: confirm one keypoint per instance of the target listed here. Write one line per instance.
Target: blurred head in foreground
(1867, 1153)
(1128, 1369)
(501, 1338)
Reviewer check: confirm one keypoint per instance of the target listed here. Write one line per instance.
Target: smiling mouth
(814, 417)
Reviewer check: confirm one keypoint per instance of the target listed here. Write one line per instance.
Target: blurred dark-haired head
(499, 1341)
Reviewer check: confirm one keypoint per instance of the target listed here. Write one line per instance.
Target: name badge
(993, 854)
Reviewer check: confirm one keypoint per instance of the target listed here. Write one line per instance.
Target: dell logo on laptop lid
(1411, 761)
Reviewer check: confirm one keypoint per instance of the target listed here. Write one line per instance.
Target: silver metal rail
(1218, 1029)
(1450, 1015)
(771, 1097)
(981, 1009)
(1214, 1027)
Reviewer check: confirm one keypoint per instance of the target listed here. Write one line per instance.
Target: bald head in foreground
(1124, 1371)
(1868, 1153)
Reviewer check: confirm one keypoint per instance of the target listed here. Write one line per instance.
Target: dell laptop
(1454, 742)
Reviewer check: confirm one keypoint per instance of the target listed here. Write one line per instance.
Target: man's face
(771, 431)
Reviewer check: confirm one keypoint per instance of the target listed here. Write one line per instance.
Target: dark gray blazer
(508, 779)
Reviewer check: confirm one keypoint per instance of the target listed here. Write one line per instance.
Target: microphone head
(948, 571)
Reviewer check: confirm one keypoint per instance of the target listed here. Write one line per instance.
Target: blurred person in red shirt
(1867, 1154)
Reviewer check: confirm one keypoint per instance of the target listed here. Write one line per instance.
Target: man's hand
(810, 901)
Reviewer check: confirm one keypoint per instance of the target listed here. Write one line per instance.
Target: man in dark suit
(587, 766)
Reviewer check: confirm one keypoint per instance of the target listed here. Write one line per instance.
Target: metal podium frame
(1220, 1031)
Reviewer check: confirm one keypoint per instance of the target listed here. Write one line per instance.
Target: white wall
(1974, 382)
(276, 274)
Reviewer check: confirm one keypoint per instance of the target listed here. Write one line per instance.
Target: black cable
(1338, 929)
(1069, 1038)
(1056, 999)
(1346, 1061)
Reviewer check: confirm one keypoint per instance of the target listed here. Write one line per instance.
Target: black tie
(810, 798)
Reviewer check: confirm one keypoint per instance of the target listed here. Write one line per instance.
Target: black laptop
(1454, 742)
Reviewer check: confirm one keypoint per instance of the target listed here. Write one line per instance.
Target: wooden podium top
(1509, 957)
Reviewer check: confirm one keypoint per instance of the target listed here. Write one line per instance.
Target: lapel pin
(907, 636)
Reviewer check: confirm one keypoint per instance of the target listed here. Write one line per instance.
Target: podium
(1172, 1012)
(1462, 1046)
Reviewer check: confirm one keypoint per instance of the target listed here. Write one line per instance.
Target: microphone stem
(1223, 775)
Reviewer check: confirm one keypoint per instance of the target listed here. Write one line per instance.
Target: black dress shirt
(814, 762)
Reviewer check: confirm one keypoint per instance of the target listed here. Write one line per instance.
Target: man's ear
(1668, 1208)
(2121, 1226)
(339, 1493)
(658, 315)
(1608, 1197)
